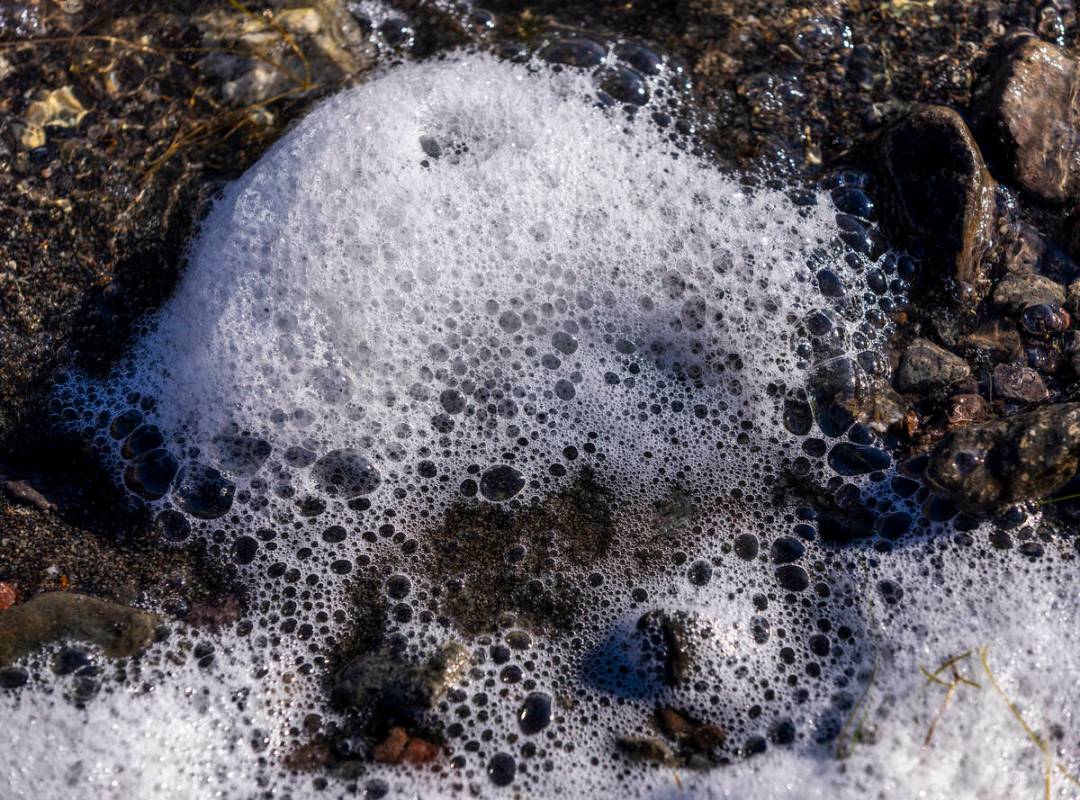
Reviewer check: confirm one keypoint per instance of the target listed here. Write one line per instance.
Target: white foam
(350, 277)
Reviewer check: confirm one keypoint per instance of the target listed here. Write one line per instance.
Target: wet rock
(1072, 299)
(967, 408)
(9, 595)
(1033, 116)
(24, 492)
(1021, 384)
(1023, 248)
(309, 757)
(1011, 460)
(55, 616)
(400, 748)
(384, 682)
(697, 741)
(1071, 348)
(1044, 319)
(925, 367)
(839, 388)
(1015, 292)
(942, 193)
(667, 638)
(647, 749)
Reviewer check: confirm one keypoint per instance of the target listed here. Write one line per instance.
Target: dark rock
(55, 616)
(925, 367)
(1017, 291)
(1022, 384)
(667, 638)
(1033, 117)
(839, 388)
(385, 682)
(1012, 460)
(942, 193)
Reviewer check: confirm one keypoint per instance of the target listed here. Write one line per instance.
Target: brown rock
(967, 408)
(1021, 384)
(309, 757)
(942, 193)
(925, 367)
(1017, 291)
(23, 492)
(1072, 349)
(700, 736)
(56, 616)
(1012, 460)
(419, 751)
(391, 749)
(1023, 247)
(400, 748)
(1033, 116)
(9, 595)
(647, 749)
(1072, 299)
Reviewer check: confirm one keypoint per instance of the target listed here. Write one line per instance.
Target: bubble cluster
(538, 442)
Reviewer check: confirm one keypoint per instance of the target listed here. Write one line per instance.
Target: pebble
(1022, 384)
(9, 595)
(1033, 118)
(1015, 292)
(22, 492)
(943, 191)
(925, 367)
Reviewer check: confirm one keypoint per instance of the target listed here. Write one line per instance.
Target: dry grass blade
(1039, 741)
(950, 688)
